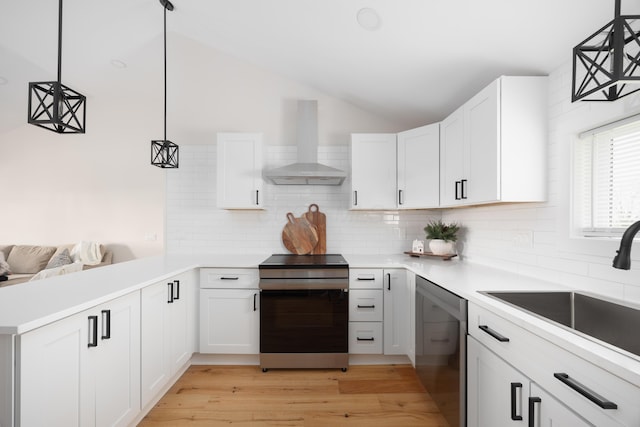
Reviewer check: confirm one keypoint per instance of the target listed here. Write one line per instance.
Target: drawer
(365, 305)
(365, 278)
(365, 337)
(229, 278)
(541, 360)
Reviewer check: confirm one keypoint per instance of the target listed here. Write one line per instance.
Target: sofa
(27, 262)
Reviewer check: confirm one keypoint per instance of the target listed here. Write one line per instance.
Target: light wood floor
(387, 395)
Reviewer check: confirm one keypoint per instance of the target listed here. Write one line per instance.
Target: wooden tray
(432, 255)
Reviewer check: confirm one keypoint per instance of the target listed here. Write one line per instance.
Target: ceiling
(425, 58)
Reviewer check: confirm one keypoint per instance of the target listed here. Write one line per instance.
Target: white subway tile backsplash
(196, 225)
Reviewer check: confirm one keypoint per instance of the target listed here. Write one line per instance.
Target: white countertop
(30, 305)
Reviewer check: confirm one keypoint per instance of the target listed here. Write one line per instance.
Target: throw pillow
(89, 253)
(4, 267)
(62, 258)
(25, 259)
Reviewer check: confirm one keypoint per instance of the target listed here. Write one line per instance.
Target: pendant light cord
(60, 42)
(165, 72)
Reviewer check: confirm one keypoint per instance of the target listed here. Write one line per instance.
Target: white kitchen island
(32, 307)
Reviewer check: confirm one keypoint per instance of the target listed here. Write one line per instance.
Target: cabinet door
(56, 387)
(373, 171)
(229, 321)
(547, 411)
(419, 168)
(396, 311)
(497, 394)
(239, 171)
(482, 137)
(155, 340)
(117, 362)
(180, 323)
(168, 324)
(452, 159)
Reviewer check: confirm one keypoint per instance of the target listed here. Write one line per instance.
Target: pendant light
(606, 66)
(164, 153)
(53, 105)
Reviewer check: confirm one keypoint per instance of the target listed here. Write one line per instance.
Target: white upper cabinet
(239, 171)
(390, 171)
(373, 171)
(492, 149)
(418, 168)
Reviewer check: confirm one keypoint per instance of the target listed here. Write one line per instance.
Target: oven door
(304, 321)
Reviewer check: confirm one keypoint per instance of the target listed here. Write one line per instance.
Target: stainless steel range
(304, 312)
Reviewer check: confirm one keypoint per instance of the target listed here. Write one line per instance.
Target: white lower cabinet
(379, 311)
(83, 370)
(500, 395)
(512, 372)
(169, 316)
(229, 311)
(397, 312)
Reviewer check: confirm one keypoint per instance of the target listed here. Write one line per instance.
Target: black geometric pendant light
(606, 66)
(53, 105)
(164, 153)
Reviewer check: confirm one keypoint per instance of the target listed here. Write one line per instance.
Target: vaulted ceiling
(424, 58)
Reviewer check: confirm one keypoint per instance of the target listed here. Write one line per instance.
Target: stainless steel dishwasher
(441, 356)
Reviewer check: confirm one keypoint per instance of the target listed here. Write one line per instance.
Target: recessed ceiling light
(369, 19)
(3, 81)
(118, 64)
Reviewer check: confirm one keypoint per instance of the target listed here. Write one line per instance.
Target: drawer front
(365, 278)
(541, 360)
(365, 337)
(229, 278)
(365, 305)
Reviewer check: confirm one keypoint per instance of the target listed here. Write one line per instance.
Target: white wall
(100, 186)
(534, 239)
(243, 98)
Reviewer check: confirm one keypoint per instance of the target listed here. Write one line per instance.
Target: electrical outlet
(523, 239)
(150, 237)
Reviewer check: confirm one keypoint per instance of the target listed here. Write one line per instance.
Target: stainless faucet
(623, 258)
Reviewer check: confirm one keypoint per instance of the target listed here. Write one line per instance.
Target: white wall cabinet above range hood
(307, 170)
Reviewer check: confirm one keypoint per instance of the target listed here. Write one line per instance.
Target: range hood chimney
(307, 170)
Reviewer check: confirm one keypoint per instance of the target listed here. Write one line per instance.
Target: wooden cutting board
(317, 218)
(299, 236)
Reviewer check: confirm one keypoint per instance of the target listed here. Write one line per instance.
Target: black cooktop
(304, 261)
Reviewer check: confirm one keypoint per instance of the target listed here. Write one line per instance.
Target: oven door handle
(303, 284)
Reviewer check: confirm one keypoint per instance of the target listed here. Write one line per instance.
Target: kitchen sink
(613, 323)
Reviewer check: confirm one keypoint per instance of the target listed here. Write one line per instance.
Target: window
(607, 180)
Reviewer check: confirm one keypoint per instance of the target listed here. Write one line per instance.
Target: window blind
(608, 175)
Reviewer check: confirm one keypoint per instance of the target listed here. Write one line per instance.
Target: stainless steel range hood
(307, 170)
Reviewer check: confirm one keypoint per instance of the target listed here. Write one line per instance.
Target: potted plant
(442, 237)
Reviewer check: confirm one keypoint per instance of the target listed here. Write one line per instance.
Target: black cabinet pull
(355, 198)
(514, 409)
(493, 333)
(170, 299)
(389, 281)
(463, 191)
(365, 339)
(177, 289)
(532, 409)
(586, 392)
(254, 302)
(106, 324)
(366, 306)
(93, 331)
(257, 197)
(366, 278)
(457, 196)
(400, 199)
(229, 278)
